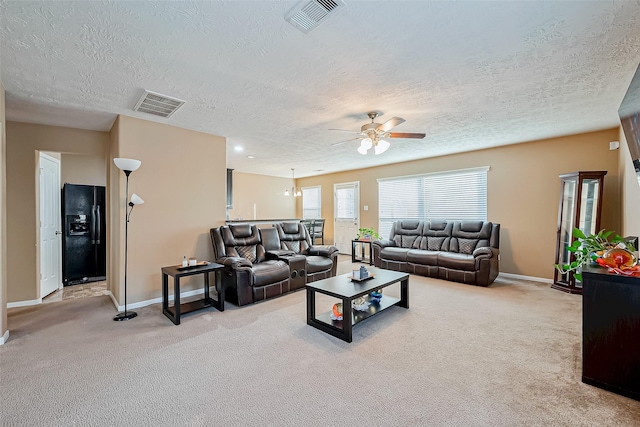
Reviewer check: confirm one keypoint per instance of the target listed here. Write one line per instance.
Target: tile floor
(77, 291)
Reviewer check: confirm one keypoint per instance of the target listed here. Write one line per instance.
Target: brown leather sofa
(461, 251)
(259, 265)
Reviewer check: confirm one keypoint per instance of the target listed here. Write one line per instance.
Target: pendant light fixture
(295, 191)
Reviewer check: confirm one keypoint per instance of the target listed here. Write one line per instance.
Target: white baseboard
(145, 303)
(4, 338)
(24, 303)
(531, 278)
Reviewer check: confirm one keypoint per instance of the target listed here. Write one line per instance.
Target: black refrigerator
(84, 255)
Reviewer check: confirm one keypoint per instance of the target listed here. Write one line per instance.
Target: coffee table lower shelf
(358, 316)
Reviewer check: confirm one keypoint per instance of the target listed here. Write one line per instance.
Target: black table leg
(207, 300)
(220, 289)
(404, 293)
(176, 300)
(311, 306)
(347, 319)
(165, 292)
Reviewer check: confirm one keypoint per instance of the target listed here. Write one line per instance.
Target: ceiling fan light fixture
(381, 146)
(363, 150)
(366, 143)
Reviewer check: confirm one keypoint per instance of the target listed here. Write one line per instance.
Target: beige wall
(24, 140)
(630, 191)
(182, 180)
(85, 170)
(263, 193)
(523, 191)
(3, 220)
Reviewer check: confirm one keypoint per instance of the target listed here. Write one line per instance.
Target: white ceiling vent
(308, 14)
(158, 104)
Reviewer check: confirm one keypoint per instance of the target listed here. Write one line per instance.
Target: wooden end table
(364, 244)
(176, 271)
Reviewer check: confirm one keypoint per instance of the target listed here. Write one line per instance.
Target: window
(312, 202)
(451, 195)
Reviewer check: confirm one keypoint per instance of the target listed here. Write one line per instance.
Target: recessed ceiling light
(238, 148)
(251, 157)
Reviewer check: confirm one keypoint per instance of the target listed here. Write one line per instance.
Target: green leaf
(578, 277)
(577, 233)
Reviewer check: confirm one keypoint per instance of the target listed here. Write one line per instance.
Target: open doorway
(80, 229)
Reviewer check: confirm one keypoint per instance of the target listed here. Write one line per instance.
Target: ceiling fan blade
(346, 140)
(344, 130)
(391, 123)
(406, 135)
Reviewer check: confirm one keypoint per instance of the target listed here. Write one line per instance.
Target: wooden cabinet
(580, 207)
(611, 332)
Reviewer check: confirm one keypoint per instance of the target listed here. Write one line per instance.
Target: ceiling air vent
(308, 14)
(158, 104)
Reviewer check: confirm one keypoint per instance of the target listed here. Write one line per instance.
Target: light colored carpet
(507, 355)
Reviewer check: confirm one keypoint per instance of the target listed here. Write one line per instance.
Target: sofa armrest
(485, 252)
(377, 246)
(234, 262)
(279, 253)
(322, 250)
(383, 243)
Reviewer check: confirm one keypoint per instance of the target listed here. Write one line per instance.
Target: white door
(346, 209)
(50, 229)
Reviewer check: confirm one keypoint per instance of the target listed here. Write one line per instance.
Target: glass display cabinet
(580, 207)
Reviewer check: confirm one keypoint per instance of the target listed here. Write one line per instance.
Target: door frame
(356, 210)
(57, 196)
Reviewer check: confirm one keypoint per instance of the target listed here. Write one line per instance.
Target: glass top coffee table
(346, 290)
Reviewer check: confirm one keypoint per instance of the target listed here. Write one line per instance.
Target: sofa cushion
(269, 272)
(243, 240)
(435, 243)
(318, 263)
(467, 246)
(466, 236)
(394, 254)
(456, 261)
(405, 241)
(293, 236)
(404, 233)
(420, 256)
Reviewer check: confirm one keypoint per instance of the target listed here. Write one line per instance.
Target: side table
(176, 271)
(362, 258)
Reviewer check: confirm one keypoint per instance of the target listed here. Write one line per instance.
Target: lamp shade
(362, 150)
(366, 143)
(136, 200)
(127, 164)
(382, 146)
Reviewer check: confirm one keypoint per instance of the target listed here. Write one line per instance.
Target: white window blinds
(312, 202)
(451, 195)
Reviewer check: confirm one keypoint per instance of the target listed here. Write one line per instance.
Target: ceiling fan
(372, 134)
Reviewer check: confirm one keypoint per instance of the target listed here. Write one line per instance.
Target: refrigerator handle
(97, 228)
(92, 225)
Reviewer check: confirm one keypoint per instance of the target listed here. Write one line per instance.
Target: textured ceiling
(468, 74)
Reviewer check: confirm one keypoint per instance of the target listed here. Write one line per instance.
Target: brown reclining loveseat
(461, 251)
(259, 265)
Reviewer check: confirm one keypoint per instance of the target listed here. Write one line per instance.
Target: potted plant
(367, 234)
(588, 248)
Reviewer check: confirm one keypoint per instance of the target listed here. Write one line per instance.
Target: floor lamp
(127, 166)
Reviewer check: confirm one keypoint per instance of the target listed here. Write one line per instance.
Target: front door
(50, 230)
(346, 208)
